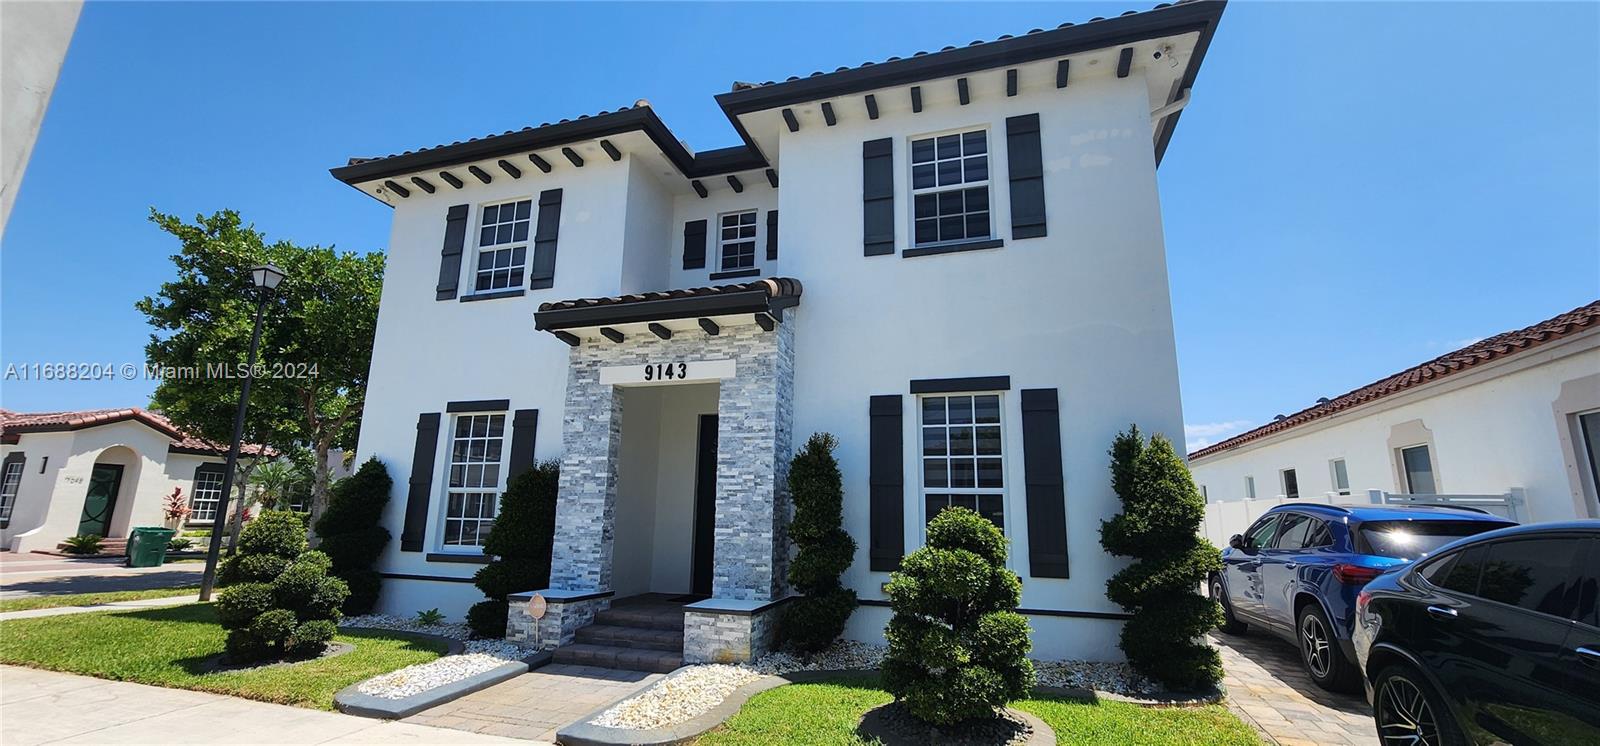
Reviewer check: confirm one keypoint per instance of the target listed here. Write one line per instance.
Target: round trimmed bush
(240, 604)
(487, 619)
(289, 612)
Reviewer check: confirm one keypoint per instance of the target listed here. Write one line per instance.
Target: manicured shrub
(1159, 528)
(817, 618)
(519, 541)
(281, 601)
(351, 534)
(82, 544)
(957, 647)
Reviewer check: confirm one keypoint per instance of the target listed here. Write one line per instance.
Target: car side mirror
(1236, 541)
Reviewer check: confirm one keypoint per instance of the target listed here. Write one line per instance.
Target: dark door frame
(111, 502)
(702, 555)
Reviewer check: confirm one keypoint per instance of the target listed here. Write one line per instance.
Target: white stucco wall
(35, 37)
(1493, 428)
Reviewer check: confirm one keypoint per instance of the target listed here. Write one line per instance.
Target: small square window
(737, 243)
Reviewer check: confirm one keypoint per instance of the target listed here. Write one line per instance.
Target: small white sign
(667, 371)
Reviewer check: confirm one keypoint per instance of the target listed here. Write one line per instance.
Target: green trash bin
(147, 546)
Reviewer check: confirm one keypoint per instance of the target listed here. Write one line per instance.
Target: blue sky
(1354, 189)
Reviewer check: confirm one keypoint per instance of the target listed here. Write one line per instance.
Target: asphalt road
(24, 575)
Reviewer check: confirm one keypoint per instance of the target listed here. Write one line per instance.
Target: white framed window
(472, 494)
(1290, 483)
(950, 188)
(962, 455)
(502, 245)
(1417, 465)
(1340, 476)
(1250, 488)
(736, 244)
(8, 489)
(205, 496)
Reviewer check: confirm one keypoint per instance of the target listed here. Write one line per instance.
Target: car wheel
(1230, 624)
(1320, 652)
(1406, 709)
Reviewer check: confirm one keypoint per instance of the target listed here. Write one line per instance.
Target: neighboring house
(1517, 413)
(984, 307)
(99, 471)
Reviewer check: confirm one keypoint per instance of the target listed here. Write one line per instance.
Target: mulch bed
(220, 663)
(894, 725)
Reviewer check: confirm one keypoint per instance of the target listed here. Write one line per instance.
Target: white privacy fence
(1224, 519)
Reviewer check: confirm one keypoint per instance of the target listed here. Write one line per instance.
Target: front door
(101, 500)
(705, 507)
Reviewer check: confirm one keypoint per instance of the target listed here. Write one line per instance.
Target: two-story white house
(951, 261)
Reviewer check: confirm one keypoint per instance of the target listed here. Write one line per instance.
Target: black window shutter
(455, 238)
(887, 480)
(694, 244)
(543, 274)
(421, 485)
(524, 433)
(1024, 161)
(772, 235)
(15, 457)
(1047, 505)
(877, 196)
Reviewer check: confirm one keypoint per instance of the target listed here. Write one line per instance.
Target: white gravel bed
(424, 676)
(844, 655)
(1117, 678)
(677, 698)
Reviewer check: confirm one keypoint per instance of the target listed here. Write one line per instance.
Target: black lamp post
(265, 279)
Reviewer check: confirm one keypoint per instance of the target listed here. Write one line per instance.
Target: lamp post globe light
(264, 279)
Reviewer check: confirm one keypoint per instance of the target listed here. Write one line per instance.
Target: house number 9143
(665, 371)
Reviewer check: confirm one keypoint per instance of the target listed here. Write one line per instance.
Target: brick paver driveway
(536, 704)
(1267, 686)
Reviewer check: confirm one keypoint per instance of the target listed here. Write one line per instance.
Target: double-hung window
(473, 495)
(8, 489)
(961, 455)
(950, 188)
(737, 243)
(503, 245)
(207, 493)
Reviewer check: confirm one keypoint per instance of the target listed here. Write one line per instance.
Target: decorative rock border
(1154, 699)
(351, 701)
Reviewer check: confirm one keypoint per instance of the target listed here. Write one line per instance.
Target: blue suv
(1298, 568)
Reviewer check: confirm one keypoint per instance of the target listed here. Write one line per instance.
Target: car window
(1261, 534)
(1533, 574)
(1589, 586)
(1413, 539)
(1461, 575)
(1292, 533)
(1436, 570)
(1319, 535)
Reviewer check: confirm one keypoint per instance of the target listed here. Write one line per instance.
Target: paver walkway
(40, 707)
(1268, 687)
(538, 703)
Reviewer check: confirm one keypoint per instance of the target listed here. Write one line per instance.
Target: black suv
(1492, 639)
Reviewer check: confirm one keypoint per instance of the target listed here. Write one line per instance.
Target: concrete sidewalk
(39, 707)
(143, 603)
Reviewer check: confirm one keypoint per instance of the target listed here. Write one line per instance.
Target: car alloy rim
(1404, 716)
(1315, 646)
(1216, 595)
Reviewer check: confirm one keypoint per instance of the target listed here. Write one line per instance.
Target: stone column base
(729, 631)
(565, 612)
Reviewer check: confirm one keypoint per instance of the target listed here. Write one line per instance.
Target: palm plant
(275, 481)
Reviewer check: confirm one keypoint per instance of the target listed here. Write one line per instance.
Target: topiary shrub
(1159, 528)
(815, 620)
(279, 601)
(520, 542)
(957, 648)
(351, 534)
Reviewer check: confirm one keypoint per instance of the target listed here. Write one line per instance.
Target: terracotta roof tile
(1494, 348)
(13, 423)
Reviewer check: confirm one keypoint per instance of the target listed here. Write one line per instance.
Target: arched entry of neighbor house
(108, 499)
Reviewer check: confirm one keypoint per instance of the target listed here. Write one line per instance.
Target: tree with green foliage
(817, 618)
(1159, 527)
(519, 541)
(352, 534)
(317, 334)
(279, 601)
(957, 647)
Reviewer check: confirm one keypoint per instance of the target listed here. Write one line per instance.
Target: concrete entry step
(632, 637)
(610, 656)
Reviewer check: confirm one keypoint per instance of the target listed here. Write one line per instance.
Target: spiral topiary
(352, 535)
(957, 647)
(520, 541)
(280, 601)
(1159, 527)
(817, 618)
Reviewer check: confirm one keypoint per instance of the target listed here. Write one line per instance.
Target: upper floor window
(950, 187)
(737, 243)
(207, 493)
(473, 495)
(503, 245)
(8, 489)
(961, 463)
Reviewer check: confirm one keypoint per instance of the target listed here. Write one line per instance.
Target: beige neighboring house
(99, 471)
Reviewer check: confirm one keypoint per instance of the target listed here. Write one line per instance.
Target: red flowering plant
(175, 506)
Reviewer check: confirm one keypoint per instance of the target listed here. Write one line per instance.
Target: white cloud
(1209, 433)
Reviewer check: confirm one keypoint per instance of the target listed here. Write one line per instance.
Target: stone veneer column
(755, 412)
(587, 498)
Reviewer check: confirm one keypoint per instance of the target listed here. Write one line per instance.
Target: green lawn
(826, 713)
(90, 599)
(165, 647)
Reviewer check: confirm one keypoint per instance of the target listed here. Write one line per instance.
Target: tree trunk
(319, 485)
(243, 479)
